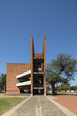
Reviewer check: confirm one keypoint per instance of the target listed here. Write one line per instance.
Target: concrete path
(49, 108)
(27, 109)
(38, 106)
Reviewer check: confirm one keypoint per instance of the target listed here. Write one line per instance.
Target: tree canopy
(61, 69)
(66, 87)
(3, 81)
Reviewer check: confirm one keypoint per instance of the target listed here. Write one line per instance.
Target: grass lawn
(8, 102)
(64, 93)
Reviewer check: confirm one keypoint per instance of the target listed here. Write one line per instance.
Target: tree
(63, 87)
(61, 69)
(3, 81)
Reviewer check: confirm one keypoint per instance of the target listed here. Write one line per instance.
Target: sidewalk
(40, 106)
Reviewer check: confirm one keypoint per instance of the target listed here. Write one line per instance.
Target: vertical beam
(32, 65)
(44, 64)
(6, 78)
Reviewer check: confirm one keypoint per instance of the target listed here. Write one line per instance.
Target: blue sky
(19, 19)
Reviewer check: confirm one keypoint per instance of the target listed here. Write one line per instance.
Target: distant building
(48, 87)
(28, 77)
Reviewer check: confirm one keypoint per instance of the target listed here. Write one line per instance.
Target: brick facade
(14, 69)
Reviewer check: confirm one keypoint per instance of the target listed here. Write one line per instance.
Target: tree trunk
(53, 88)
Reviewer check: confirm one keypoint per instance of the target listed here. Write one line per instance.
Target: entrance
(39, 91)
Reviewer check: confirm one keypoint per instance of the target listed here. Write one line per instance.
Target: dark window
(39, 80)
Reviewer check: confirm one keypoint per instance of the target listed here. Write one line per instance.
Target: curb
(64, 110)
(11, 111)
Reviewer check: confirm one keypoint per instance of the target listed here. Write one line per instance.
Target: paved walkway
(38, 106)
(68, 101)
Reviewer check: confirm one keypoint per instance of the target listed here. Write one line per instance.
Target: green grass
(7, 102)
(64, 93)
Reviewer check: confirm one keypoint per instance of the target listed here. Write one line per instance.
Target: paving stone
(38, 103)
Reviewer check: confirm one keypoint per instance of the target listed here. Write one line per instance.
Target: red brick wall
(12, 70)
(32, 54)
(44, 53)
(38, 55)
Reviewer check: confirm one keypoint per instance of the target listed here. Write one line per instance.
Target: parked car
(68, 90)
(72, 91)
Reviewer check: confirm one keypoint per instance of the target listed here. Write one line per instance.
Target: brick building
(28, 76)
